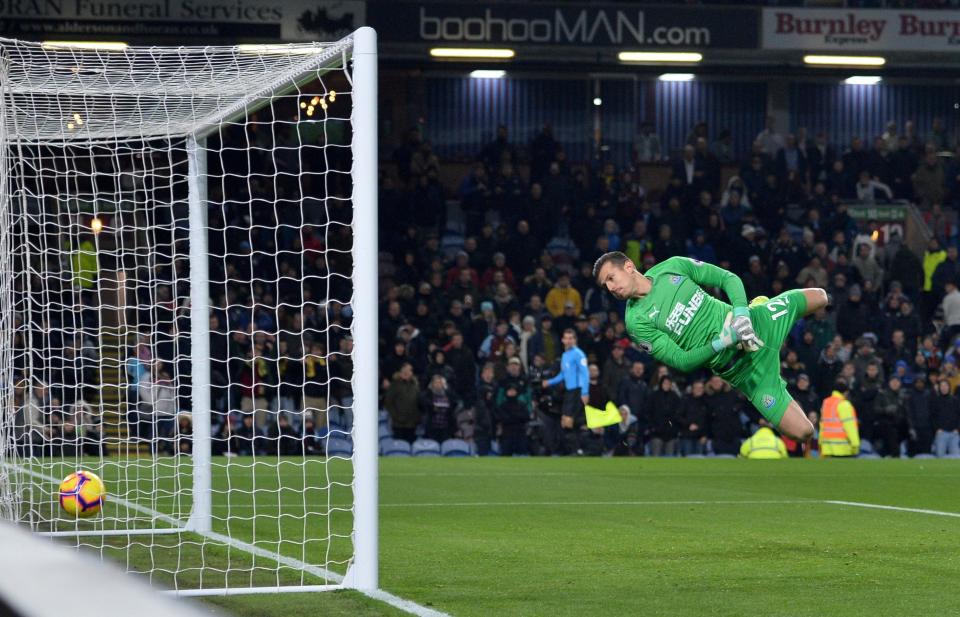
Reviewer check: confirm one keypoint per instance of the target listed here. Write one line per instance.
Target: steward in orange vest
(839, 432)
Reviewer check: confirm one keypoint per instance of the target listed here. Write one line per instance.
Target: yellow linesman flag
(597, 418)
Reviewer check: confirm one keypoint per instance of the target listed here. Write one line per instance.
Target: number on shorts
(778, 307)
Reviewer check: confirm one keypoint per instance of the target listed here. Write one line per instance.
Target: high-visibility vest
(834, 438)
(764, 444)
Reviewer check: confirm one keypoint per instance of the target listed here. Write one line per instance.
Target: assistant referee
(575, 377)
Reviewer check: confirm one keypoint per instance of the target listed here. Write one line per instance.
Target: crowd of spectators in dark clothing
(479, 280)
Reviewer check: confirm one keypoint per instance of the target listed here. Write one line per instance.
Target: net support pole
(363, 572)
(200, 514)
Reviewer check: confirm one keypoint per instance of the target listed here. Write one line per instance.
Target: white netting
(96, 342)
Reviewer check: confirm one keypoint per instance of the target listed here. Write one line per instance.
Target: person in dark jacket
(633, 393)
(483, 408)
(401, 402)
(726, 429)
(889, 412)
(864, 396)
(513, 410)
(664, 406)
(919, 419)
(945, 410)
(439, 406)
(693, 420)
(461, 359)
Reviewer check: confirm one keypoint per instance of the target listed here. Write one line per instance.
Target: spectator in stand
(476, 192)
(920, 418)
(646, 145)
(814, 271)
(937, 137)
(461, 273)
(401, 402)
(770, 140)
(439, 407)
(932, 257)
(692, 418)
(790, 159)
(498, 151)
(866, 265)
(690, 173)
(870, 189)
(889, 412)
(499, 266)
(615, 369)
(633, 394)
(726, 429)
(821, 158)
(951, 312)
(722, 147)
(484, 428)
(945, 409)
(543, 151)
(663, 408)
(513, 410)
(561, 294)
(929, 180)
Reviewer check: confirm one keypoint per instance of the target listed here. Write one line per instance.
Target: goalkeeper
(672, 318)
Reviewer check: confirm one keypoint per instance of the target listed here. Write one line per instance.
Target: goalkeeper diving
(672, 318)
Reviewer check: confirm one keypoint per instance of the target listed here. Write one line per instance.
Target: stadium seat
(426, 447)
(724, 456)
(924, 455)
(494, 448)
(695, 456)
(866, 447)
(339, 447)
(951, 456)
(455, 447)
(384, 431)
(394, 447)
(868, 455)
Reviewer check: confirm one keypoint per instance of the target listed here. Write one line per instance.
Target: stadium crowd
(480, 281)
(484, 285)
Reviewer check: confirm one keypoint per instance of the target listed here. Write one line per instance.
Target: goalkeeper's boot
(758, 301)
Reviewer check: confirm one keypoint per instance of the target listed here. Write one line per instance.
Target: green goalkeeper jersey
(677, 320)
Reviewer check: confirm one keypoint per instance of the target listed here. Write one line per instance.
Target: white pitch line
(467, 504)
(383, 596)
(876, 506)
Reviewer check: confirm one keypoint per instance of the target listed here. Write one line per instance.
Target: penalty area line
(877, 506)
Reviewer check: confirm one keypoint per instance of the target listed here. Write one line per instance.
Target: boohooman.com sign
(565, 24)
(861, 30)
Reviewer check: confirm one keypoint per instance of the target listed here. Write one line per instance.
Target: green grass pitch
(568, 536)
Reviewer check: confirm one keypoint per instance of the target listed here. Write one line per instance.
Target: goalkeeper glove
(727, 336)
(742, 325)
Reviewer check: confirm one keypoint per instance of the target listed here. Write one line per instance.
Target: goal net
(187, 281)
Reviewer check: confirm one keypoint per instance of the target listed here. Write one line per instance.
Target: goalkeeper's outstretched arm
(710, 275)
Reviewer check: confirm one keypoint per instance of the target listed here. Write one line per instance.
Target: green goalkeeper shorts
(757, 374)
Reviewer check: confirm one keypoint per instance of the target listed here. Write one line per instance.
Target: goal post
(188, 282)
(363, 573)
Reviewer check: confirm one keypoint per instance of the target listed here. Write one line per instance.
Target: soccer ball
(82, 494)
